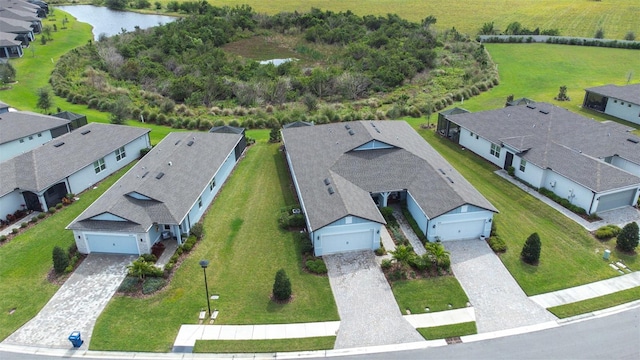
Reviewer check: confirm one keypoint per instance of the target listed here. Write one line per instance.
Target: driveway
(369, 314)
(498, 300)
(76, 305)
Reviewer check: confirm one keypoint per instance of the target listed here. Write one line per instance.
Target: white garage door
(459, 230)
(112, 244)
(342, 242)
(612, 201)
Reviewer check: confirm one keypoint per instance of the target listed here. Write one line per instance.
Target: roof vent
(372, 124)
(544, 111)
(635, 141)
(351, 132)
(145, 174)
(177, 142)
(170, 163)
(330, 190)
(348, 127)
(378, 130)
(327, 181)
(531, 106)
(85, 132)
(448, 178)
(442, 171)
(58, 144)
(190, 143)
(159, 176)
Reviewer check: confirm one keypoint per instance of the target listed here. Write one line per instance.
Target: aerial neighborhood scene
(251, 179)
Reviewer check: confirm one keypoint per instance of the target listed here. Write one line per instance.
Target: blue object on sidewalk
(76, 339)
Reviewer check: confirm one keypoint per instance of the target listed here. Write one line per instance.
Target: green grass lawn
(599, 303)
(246, 248)
(264, 346)
(435, 293)
(447, 331)
(26, 261)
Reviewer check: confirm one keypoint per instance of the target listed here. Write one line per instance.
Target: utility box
(76, 339)
(606, 254)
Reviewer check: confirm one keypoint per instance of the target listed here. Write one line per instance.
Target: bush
(152, 285)
(281, 286)
(60, 260)
(15, 231)
(189, 244)
(197, 230)
(34, 219)
(380, 251)
(24, 225)
(149, 258)
(73, 248)
(511, 170)
(128, 285)
(306, 247)
(628, 238)
(41, 215)
(531, 249)
(497, 244)
(3, 238)
(387, 214)
(316, 266)
(144, 151)
(386, 264)
(52, 210)
(607, 231)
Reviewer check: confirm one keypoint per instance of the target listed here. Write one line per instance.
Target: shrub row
(414, 225)
(316, 266)
(607, 232)
(497, 244)
(562, 201)
(184, 248)
(566, 41)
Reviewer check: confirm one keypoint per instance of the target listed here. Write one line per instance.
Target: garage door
(459, 230)
(612, 201)
(342, 242)
(112, 244)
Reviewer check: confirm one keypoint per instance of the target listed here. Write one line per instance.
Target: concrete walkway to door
(498, 300)
(76, 305)
(369, 314)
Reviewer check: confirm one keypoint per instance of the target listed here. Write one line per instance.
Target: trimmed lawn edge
(447, 331)
(598, 303)
(265, 346)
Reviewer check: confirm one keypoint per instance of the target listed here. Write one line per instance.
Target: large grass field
(26, 260)
(246, 248)
(571, 17)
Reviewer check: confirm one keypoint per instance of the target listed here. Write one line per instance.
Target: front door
(508, 160)
(31, 201)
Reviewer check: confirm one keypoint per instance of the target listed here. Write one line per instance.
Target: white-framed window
(200, 202)
(39, 134)
(120, 154)
(30, 137)
(212, 184)
(21, 140)
(523, 164)
(470, 133)
(167, 227)
(348, 220)
(495, 150)
(99, 166)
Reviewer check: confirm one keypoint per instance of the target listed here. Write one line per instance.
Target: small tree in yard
(562, 94)
(281, 286)
(628, 238)
(274, 135)
(44, 99)
(60, 260)
(531, 249)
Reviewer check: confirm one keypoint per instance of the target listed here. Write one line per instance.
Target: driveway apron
(369, 314)
(76, 305)
(498, 300)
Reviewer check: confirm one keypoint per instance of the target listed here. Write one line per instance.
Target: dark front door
(31, 201)
(55, 194)
(508, 161)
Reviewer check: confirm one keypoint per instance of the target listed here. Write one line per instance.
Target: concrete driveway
(76, 305)
(498, 300)
(369, 314)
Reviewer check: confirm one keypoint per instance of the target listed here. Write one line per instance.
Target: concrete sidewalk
(588, 291)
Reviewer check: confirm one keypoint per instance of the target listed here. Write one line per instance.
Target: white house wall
(532, 174)
(480, 146)
(417, 213)
(10, 202)
(15, 147)
(339, 227)
(623, 110)
(142, 239)
(626, 165)
(482, 215)
(564, 188)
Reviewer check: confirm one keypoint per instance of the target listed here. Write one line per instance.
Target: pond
(111, 22)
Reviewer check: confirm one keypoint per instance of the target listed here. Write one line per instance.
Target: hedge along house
(594, 165)
(622, 102)
(71, 163)
(22, 131)
(161, 197)
(342, 173)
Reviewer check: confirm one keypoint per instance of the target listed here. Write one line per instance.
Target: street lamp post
(204, 264)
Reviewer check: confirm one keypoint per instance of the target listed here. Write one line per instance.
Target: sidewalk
(588, 291)
(16, 225)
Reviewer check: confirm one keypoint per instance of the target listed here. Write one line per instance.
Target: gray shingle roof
(187, 170)
(15, 26)
(556, 138)
(325, 151)
(8, 39)
(18, 124)
(46, 165)
(629, 93)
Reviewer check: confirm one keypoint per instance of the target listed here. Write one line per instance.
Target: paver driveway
(369, 314)
(498, 300)
(76, 305)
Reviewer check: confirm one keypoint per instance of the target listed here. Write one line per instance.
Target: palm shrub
(628, 238)
(281, 286)
(60, 260)
(531, 249)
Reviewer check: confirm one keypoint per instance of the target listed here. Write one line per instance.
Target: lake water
(111, 22)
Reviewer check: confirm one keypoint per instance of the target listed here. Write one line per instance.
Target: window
(21, 140)
(523, 164)
(31, 137)
(39, 134)
(495, 150)
(212, 184)
(621, 102)
(615, 101)
(99, 165)
(200, 202)
(167, 227)
(470, 133)
(120, 154)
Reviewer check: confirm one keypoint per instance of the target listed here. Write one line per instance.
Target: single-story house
(24, 6)
(622, 102)
(71, 163)
(594, 165)
(30, 17)
(343, 173)
(9, 46)
(22, 131)
(161, 197)
(21, 28)
(77, 120)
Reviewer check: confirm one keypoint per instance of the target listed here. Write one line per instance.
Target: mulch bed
(59, 279)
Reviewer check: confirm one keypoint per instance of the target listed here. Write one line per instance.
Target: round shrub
(41, 215)
(149, 258)
(58, 206)
(316, 266)
(128, 285)
(497, 244)
(15, 231)
(386, 264)
(607, 231)
(152, 285)
(93, 103)
(3, 238)
(153, 116)
(34, 219)
(24, 225)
